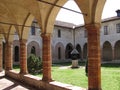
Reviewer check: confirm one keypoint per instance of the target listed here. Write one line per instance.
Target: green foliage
(34, 64)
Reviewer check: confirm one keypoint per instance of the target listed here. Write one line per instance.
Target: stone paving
(10, 84)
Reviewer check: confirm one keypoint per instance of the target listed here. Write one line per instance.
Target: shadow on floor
(7, 83)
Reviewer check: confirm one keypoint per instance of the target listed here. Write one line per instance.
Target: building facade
(67, 36)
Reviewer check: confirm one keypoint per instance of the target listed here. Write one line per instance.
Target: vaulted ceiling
(22, 12)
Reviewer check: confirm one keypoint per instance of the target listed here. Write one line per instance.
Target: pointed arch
(28, 22)
(52, 15)
(93, 10)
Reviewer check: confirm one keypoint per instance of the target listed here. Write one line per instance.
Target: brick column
(94, 59)
(47, 57)
(1, 61)
(23, 57)
(8, 56)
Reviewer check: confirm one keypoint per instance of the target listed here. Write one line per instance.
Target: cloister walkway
(10, 84)
(7, 83)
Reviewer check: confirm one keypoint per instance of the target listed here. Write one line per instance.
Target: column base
(21, 72)
(46, 80)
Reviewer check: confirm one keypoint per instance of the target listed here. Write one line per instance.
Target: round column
(94, 57)
(47, 57)
(8, 56)
(23, 57)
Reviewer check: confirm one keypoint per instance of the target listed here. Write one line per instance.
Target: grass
(70, 76)
(110, 75)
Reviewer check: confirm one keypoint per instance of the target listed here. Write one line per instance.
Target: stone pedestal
(75, 64)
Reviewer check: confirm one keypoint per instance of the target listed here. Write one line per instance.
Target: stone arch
(59, 51)
(36, 48)
(93, 11)
(107, 51)
(69, 48)
(117, 50)
(52, 16)
(85, 51)
(28, 22)
(78, 47)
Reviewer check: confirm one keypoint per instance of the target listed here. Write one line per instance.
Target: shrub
(34, 64)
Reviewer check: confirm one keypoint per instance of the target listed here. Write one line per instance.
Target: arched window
(33, 51)
(16, 51)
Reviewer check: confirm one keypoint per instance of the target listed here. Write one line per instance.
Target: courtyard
(18, 19)
(63, 73)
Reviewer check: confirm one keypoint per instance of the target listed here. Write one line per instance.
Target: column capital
(23, 41)
(93, 25)
(46, 35)
(9, 43)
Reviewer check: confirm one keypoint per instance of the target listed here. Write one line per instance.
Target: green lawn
(110, 75)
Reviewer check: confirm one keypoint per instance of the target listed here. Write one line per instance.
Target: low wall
(38, 83)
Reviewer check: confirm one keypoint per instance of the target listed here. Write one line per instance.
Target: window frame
(59, 33)
(33, 30)
(118, 28)
(105, 28)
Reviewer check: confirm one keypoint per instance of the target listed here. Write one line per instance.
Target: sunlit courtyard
(110, 75)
